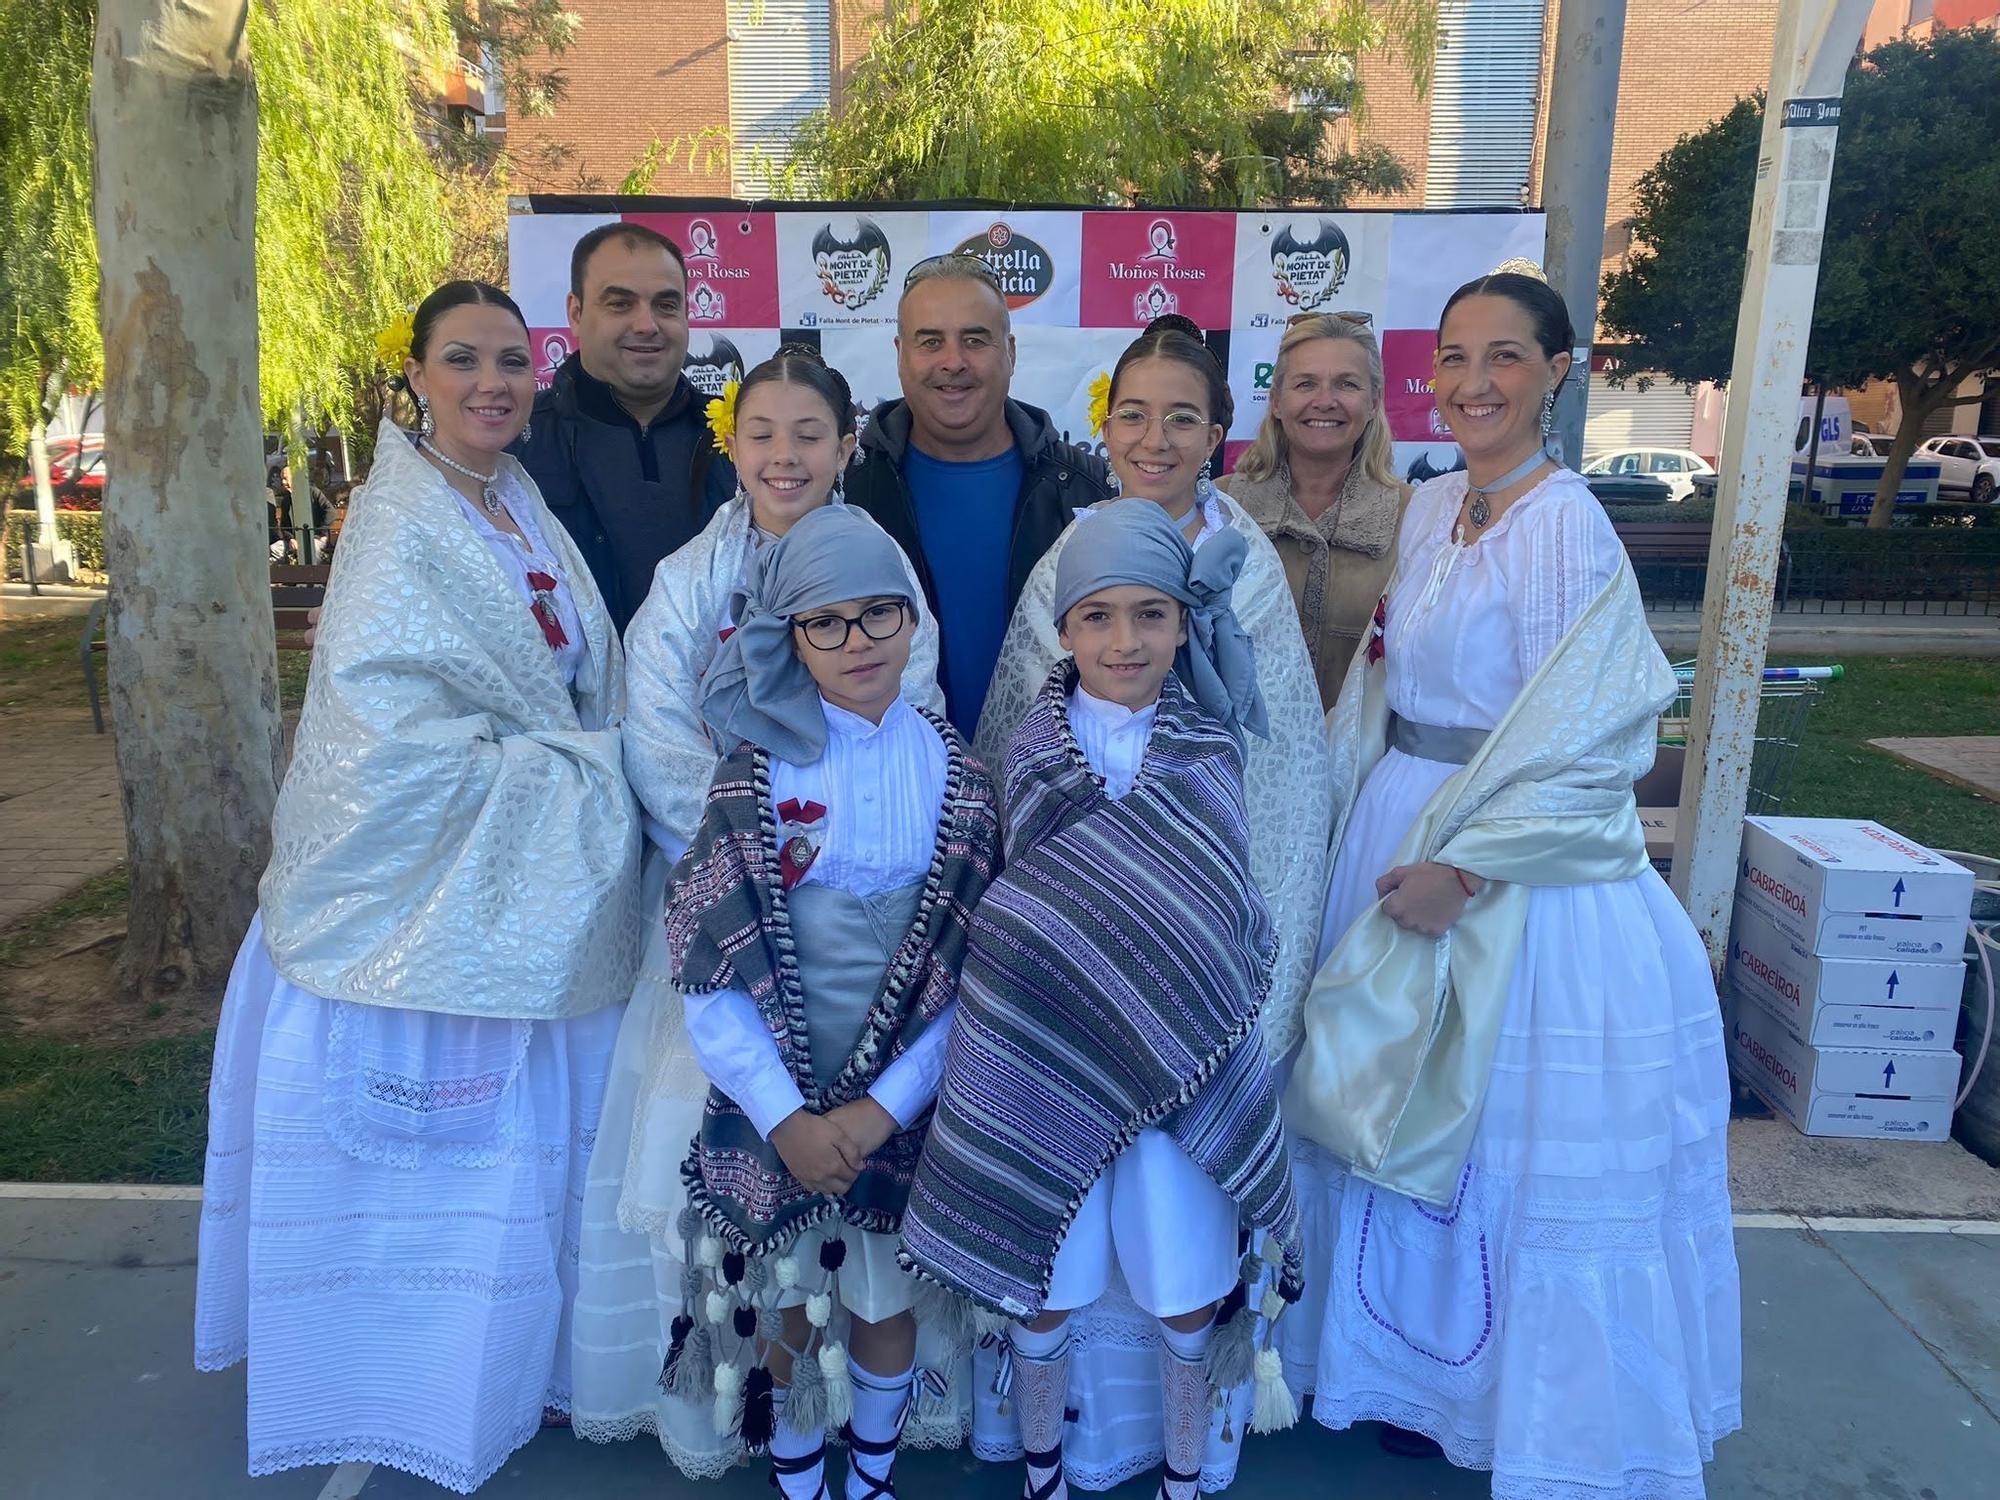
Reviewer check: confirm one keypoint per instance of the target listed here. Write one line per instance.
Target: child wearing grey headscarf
(816, 926)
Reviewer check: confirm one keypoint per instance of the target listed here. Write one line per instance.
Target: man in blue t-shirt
(973, 485)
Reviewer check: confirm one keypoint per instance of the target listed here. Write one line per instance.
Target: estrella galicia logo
(1024, 267)
(1310, 271)
(851, 258)
(710, 368)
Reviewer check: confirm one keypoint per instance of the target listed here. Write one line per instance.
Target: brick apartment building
(704, 73)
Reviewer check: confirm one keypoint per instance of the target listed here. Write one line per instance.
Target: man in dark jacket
(974, 486)
(619, 442)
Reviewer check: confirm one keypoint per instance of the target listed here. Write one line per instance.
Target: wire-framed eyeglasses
(829, 632)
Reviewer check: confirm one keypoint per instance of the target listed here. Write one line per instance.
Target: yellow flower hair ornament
(1100, 401)
(392, 344)
(722, 417)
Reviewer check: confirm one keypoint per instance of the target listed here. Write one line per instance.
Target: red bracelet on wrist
(1463, 884)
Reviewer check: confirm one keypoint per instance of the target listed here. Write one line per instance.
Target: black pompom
(759, 1415)
(745, 1319)
(683, 1325)
(832, 1254)
(732, 1267)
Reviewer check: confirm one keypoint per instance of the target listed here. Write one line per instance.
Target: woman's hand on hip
(1426, 898)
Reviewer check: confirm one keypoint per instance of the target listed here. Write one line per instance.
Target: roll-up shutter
(1483, 99)
(1661, 416)
(780, 71)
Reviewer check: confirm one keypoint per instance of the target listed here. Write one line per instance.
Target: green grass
(79, 1113)
(1840, 776)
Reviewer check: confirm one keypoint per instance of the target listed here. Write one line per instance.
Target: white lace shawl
(1285, 777)
(455, 833)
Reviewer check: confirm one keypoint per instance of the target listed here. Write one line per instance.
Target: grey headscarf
(1136, 542)
(757, 689)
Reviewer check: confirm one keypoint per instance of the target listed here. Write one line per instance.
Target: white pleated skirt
(1571, 1320)
(401, 1294)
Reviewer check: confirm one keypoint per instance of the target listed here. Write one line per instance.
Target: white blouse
(883, 790)
(1468, 624)
(517, 559)
(1111, 737)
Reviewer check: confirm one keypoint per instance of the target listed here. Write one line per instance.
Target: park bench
(1675, 545)
(295, 589)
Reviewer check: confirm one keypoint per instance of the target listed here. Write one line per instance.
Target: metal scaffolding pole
(1813, 44)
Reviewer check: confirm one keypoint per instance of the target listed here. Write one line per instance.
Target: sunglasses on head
(1351, 317)
(979, 267)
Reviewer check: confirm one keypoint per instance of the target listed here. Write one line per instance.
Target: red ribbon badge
(543, 587)
(801, 831)
(1378, 631)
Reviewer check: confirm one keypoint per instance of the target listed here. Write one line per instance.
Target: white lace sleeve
(1562, 554)
(1027, 656)
(1286, 781)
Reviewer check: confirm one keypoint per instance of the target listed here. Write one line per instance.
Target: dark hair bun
(1179, 323)
(799, 349)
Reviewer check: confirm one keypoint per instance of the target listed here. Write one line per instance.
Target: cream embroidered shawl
(455, 833)
(1400, 1029)
(1285, 777)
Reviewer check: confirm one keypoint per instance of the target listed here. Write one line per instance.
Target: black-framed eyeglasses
(829, 632)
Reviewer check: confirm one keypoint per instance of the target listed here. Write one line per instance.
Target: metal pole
(1813, 44)
(1576, 183)
(1812, 443)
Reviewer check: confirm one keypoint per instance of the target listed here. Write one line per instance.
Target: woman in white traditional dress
(413, 1045)
(789, 428)
(1511, 1094)
(1165, 410)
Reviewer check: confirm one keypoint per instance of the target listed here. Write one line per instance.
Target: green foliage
(83, 529)
(1912, 249)
(1228, 103)
(77, 1112)
(367, 196)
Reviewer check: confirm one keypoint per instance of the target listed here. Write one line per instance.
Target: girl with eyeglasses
(1167, 409)
(791, 433)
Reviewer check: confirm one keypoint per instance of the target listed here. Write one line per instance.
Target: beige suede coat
(1337, 566)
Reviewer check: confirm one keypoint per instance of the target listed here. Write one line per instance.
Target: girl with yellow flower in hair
(789, 427)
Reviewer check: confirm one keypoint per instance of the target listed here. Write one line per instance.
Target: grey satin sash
(1452, 747)
(844, 943)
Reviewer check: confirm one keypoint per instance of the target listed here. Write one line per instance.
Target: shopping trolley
(1787, 697)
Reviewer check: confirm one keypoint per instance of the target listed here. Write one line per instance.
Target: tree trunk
(1916, 404)
(193, 660)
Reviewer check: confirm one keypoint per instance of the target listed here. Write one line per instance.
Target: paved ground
(1968, 760)
(60, 818)
(1872, 1372)
(1832, 637)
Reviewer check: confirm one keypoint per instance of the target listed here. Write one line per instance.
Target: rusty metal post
(1813, 44)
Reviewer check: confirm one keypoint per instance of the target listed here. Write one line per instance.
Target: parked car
(76, 471)
(1629, 489)
(1676, 467)
(1966, 465)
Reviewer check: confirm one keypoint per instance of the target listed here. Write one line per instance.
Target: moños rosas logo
(1024, 267)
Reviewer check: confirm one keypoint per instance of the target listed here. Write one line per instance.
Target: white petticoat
(390, 1213)
(1571, 1322)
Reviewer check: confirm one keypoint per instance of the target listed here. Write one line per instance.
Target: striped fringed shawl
(728, 927)
(1113, 981)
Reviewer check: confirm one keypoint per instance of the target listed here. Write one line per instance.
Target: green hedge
(84, 529)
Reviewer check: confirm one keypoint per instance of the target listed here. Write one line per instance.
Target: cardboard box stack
(1845, 963)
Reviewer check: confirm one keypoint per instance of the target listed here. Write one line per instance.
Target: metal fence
(1850, 572)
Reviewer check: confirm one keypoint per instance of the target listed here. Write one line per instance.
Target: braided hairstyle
(802, 364)
(1178, 338)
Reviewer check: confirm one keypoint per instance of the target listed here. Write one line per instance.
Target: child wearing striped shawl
(816, 926)
(1106, 1099)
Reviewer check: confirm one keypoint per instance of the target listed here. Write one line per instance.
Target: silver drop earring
(1548, 413)
(425, 426)
(526, 428)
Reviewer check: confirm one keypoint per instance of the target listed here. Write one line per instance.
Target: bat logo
(1310, 271)
(853, 268)
(708, 370)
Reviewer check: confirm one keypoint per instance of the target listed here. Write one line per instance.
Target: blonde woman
(1320, 482)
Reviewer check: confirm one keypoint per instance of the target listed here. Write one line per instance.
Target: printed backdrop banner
(1080, 283)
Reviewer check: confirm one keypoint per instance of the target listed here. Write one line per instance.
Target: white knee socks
(1041, 1400)
(798, 1459)
(1185, 1398)
(880, 1404)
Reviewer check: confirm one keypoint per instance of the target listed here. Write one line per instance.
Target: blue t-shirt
(965, 519)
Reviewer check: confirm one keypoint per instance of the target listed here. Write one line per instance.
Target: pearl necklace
(489, 495)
